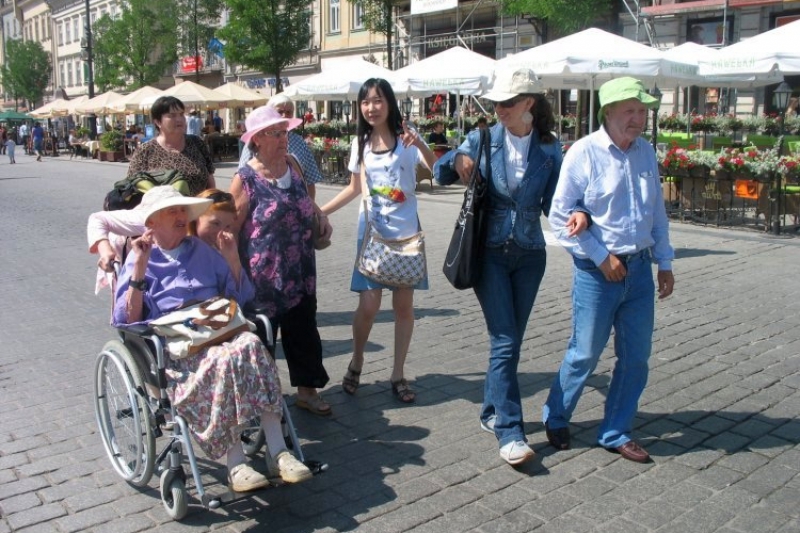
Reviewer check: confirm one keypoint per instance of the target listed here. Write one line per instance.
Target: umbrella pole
(591, 105)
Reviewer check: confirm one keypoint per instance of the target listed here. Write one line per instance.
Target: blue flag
(216, 47)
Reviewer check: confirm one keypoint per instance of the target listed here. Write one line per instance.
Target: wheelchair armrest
(256, 310)
(142, 330)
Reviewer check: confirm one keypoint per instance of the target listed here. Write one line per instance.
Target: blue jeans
(506, 290)
(597, 305)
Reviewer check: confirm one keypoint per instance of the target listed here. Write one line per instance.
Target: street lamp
(782, 94)
(86, 55)
(337, 110)
(406, 105)
(347, 107)
(655, 93)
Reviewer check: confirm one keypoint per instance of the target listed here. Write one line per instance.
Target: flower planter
(699, 171)
(112, 157)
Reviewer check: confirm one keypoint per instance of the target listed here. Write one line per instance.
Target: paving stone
(35, 515)
(19, 503)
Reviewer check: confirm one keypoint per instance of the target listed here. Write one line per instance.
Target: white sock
(235, 456)
(271, 425)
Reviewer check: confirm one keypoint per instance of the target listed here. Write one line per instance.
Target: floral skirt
(219, 390)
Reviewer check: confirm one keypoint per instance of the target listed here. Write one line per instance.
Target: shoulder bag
(462, 262)
(393, 262)
(320, 243)
(194, 328)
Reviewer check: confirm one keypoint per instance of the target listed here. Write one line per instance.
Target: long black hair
(395, 118)
(543, 120)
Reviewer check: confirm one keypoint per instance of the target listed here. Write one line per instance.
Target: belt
(628, 257)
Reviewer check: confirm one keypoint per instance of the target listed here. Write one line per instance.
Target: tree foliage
(27, 70)
(139, 47)
(562, 16)
(378, 19)
(198, 23)
(266, 35)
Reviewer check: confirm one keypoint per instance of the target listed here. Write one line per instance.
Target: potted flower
(789, 166)
(111, 146)
(675, 162)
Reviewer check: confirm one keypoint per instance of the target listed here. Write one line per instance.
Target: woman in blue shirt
(525, 163)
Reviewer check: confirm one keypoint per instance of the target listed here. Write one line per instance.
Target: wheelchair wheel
(252, 438)
(174, 496)
(123, 415)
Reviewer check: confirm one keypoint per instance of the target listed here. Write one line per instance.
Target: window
(113, 11)
(80, 73)
(333, 23)
(62, 74)
(358, 17)
(69, 74)
(69, 32)
(75, 30)
(60, 36)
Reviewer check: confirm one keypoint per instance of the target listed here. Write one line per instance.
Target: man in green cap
(613, 175)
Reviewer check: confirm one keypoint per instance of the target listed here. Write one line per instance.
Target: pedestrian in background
(10, 146)
(613, 174)
(389, 151)
(38, 140)
(194, 125)
(525, 161)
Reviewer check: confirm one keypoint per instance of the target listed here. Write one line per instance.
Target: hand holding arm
(577, 222)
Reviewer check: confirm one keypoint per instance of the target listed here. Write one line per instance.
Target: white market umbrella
(341, 81)
(775, 51)
(56, 108)
(239, 96)
(72, 105)
(693, 53)
(591, 57)
(192, 95)
(99, 105)
(456, 70)
(132, 102)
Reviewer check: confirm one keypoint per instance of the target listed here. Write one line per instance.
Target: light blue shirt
(621, 191)
(299, 149)
(193, 125)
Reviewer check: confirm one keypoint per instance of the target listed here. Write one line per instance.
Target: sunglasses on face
(285, 111)
(275, 134)
(220, 196)
(511, 102)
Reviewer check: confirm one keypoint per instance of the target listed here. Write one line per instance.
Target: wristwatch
(140, 285)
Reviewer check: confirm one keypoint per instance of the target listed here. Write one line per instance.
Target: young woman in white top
(390, 151)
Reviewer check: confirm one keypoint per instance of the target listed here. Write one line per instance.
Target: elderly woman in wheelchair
(218, 391)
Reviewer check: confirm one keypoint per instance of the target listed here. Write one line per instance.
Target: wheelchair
(133, 410)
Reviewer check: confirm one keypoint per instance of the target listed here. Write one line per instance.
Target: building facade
(715, 23)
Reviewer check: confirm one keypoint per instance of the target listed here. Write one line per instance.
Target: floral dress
(275, 242)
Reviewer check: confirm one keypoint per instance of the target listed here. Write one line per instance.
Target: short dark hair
(164, 105)
(481, 120)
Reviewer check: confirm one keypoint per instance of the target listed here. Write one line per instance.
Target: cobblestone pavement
(719, 415)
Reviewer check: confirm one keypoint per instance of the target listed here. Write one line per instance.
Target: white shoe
(287, 467)
(517, 452)
(488, 425)
(243, 478)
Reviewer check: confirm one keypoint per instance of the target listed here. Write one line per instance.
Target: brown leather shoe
(632, 452)
(558, 437)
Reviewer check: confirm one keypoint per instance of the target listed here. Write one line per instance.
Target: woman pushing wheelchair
(221, 388)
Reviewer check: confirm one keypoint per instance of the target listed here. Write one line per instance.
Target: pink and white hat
(264, 117)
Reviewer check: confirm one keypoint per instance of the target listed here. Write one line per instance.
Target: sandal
(315, 405)
(403, 391)
(351, 380)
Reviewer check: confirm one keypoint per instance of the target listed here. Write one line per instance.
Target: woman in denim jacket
(526, 160)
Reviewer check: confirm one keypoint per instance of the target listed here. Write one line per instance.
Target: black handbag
(462, 262)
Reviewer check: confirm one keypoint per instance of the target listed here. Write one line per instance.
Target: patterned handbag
(393, 262)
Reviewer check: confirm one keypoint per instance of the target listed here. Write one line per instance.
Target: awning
(683, 7)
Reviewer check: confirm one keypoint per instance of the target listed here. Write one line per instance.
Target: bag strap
(484, 149)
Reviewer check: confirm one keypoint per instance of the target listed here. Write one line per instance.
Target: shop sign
(450, 40)
(190, 63)
(419, 7)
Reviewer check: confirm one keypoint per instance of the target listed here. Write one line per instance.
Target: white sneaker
(287, 467)
(517, 452)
